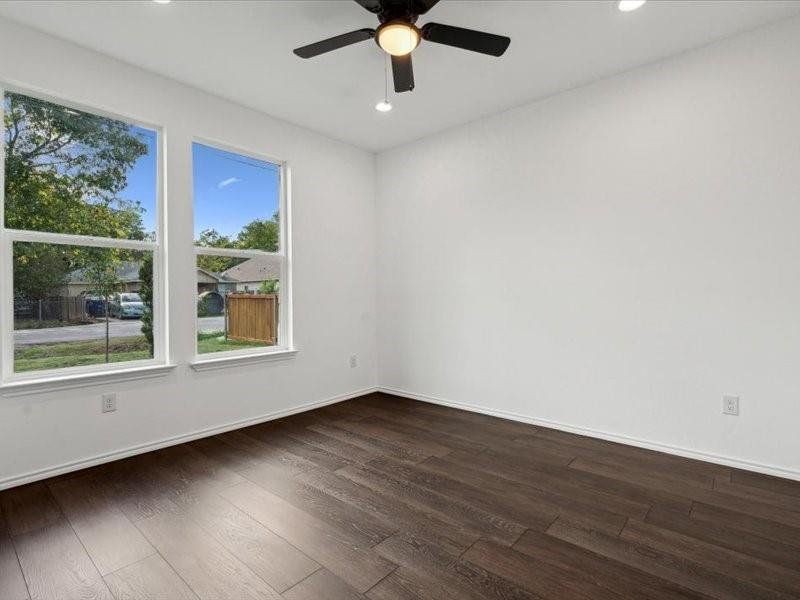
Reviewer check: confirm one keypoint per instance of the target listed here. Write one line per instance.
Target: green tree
(40, 270)
(211, 238)
(260, 235)
(146, 293)
(64, 172)
(103, 279)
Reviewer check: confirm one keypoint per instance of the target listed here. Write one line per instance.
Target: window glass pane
(69, 171)
(76, 305)
(236, 200)
(237, 306)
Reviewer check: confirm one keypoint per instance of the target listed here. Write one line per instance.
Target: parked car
(127, 305)
(95, 306)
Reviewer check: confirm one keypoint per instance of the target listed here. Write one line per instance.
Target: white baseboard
(37, 475)
(611, 437)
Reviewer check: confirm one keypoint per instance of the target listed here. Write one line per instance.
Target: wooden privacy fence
(253, 318)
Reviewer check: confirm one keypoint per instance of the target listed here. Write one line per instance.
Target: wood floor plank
(360, 526)
(322, 585)
(204, 564)
(12, 583)
(537, 577)
(749, 506)
(521, 497)
(786, 487)
(737, 520)
(393, 512)
(400, 584)
(149, 579)
(446, 507)
(664, 564)
(371, 444)
(756, 494)
(745, 542)
(548, 478)
(344, 450)
(715, 558)
(268, 555)
(135, 486)
(596, 569)
(439, 570)
(56, 566)
(29, 507)
(409, 426)
(108, 535)
(328, 546)
(370, 428)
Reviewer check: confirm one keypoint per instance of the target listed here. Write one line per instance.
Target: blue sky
(229, 189)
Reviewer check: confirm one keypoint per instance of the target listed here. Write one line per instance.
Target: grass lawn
(214, 341)
(73, 354)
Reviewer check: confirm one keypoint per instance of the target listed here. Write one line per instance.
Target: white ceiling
(243, 51)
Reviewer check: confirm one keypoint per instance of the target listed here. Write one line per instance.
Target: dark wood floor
(387, 498)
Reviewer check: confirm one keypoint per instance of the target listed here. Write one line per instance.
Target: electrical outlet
(730, 405)
(353, 361)
(109, 403)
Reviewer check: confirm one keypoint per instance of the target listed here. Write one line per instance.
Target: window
(79, 241)
(240, 248)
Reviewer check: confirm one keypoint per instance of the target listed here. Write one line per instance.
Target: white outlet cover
(109, 403)
(730, 405)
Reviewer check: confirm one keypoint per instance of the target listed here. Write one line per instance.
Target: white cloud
(227, 182)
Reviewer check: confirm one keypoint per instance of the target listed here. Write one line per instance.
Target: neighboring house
(208, 281)
(250, 274)
(127, 273)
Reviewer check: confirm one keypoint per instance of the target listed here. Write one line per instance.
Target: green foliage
(211, 238)
(40, 269)
(64, 170)
(260, 234)
(270, 286)
(101, 272)
(146, 293)
(203, 309)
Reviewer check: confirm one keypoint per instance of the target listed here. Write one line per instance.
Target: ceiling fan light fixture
(398, 38)
(630, 5)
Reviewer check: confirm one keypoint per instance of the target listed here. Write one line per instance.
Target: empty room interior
(400, 300)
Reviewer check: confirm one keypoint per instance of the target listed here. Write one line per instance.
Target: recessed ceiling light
(383, 106)
(629, 5)
(162, 1)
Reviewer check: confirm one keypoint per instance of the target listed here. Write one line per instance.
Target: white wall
(334, 270)
(614, 258)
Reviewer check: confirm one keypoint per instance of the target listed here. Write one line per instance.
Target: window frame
(158, 248)
(285, 345)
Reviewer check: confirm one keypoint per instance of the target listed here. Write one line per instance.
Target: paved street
(78, 333)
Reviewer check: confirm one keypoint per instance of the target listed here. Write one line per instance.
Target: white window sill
(223, 362)
(65, 382)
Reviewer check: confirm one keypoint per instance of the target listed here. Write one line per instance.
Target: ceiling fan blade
(334, 43)
(468, 39)
(373, 6)
(420, 7)
(403, 73)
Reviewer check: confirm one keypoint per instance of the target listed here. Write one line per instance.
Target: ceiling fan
(399, 36)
